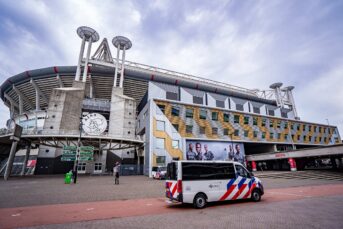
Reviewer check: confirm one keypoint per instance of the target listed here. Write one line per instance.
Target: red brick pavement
(68, 213)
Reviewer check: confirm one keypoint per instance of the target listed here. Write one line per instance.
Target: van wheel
(256, 195)
(199, 201)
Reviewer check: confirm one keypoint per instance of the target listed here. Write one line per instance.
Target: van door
(245, 183)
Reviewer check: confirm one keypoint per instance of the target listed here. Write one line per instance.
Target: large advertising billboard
(210, 150)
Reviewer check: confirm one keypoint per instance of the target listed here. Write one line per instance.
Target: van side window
(171, 171)
(207, 171)
(241, 171)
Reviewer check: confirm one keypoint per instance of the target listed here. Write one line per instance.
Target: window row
(175, 111)
(236, 132)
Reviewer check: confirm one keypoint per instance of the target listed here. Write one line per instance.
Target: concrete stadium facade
(152, 114)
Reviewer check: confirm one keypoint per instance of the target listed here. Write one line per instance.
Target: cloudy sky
(246, 43)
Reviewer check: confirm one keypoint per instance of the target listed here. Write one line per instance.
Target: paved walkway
(68, 213)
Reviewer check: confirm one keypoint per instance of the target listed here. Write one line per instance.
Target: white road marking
(89, 209)
(290, 194)
(16, 215)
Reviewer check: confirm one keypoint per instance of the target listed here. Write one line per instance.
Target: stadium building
(145, 116)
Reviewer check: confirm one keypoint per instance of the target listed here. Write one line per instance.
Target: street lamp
(77, 152)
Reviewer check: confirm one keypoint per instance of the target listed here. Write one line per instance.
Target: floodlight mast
(121, 43)
(90, 35)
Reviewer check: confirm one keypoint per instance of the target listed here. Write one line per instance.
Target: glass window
(236, 133)
(255, 134)
(279, 136)
(310, 138)
(207, 171)
(220, 103)
(278, 124)
(175, 144)
(264, 122)
(189, 112)
(203, 114)
(254, 121)
(298, 126)
(172, 95)
(320, 129)
(160, 125)
(215, 116)
(285, 125)
(271, 112)
(226, 117)
(226, 131)
(176, 126)
(246, 120)
(81, 166)
(246, 133)
(214, 130)
(198, 100)
(239, 107)
(236, 118)
(304, 127)
(271, 123)
(263, 135)
(162, 108)
(202, 130)
(256, 110)
(241, 171)
(271, 135)
(97, 167)
(175, 111)
(189, 129)
(161, 160)
(159, 143)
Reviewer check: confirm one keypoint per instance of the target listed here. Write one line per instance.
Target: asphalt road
(138, 202)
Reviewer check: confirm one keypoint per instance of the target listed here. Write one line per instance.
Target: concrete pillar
(85, 70)
(10, 160)
(78, 70)
(122, 69)
(253, 166)
(116, 70)
(37, 100)
(27, 155)
(20, 105)
(292, 164)
(333, 162)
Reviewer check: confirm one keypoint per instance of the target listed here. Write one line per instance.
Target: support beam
(10, 160)
(12, 104)
(26, 159)
(21, 98)
(39, 94)
(91, 87)
(60, 82)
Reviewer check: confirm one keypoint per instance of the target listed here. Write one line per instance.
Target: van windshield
(171, 171)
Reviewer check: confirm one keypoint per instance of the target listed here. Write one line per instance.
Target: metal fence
(131, 169)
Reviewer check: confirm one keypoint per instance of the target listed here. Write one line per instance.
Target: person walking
(116, 173)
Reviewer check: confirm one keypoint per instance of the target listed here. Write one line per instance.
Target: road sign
(69, 153)
(86, 153)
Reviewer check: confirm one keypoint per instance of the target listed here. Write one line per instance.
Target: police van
(200, 182)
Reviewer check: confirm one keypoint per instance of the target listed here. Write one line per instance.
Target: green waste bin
(67, 178)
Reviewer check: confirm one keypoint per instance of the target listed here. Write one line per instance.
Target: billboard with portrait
(211, 150)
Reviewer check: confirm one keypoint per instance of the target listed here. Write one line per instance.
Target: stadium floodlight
(121, 43)
(90, 35)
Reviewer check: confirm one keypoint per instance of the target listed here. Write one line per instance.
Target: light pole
(77, 152)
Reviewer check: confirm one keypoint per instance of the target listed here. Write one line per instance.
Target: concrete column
(20, 105)
(253, 166)
(10, 160)
(122, 69)
(78, 69)
(90, 87)
(27, 155)
(292, 164)
(116, 70)
(85, 70)
(37, 100)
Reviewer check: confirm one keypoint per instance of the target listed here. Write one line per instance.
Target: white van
(199, 182)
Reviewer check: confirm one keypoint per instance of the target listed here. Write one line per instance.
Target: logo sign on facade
(94, 124)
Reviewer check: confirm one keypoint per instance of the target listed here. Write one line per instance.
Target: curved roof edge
(131, 73)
